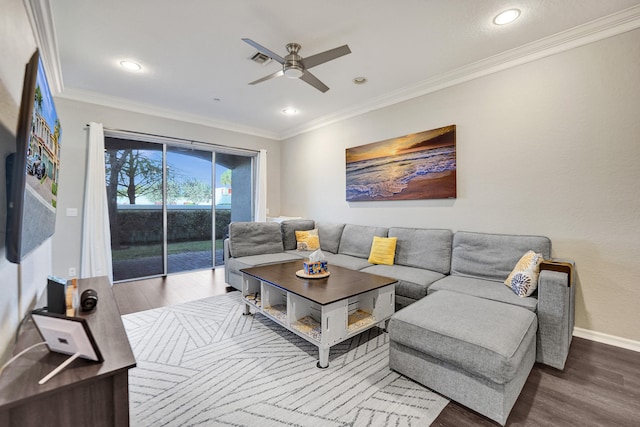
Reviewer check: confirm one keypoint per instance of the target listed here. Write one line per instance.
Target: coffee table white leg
(323, 357)
(247, 310)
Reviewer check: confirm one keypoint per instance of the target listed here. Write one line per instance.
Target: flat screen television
(33, 170)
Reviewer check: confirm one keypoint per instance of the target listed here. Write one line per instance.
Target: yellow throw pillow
(383, 250)
(307, 240)
(523, 280)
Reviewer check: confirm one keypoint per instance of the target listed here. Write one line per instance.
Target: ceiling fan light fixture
(294, 72)
(506, 17)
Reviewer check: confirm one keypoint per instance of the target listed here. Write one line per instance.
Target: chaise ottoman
(475, 351)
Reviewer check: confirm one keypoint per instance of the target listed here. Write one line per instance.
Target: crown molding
(599, 29)
(151, 110)
(41, 19)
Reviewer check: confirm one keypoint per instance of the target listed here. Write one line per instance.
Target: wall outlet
(72, 272)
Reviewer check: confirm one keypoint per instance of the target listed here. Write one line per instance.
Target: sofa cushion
(346, 261)
(483, 337)
(307, 240)
(383, 250)
(235, 264)
(492, 256)
(482, 288)
(423, 248)
(254, 238)
(523, 280)
(412, 282)
(289, 228)
(356, 240)
(329, 234)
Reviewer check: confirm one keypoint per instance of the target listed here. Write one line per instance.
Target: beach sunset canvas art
(410, 167)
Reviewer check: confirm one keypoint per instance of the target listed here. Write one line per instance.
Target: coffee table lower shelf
(323, 325)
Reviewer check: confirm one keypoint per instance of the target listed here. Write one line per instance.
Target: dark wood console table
(85, 393)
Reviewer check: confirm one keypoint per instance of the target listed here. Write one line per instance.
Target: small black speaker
(56, 295)
(88, 300)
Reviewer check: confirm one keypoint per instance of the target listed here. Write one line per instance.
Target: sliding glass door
(170, 205)
(233, 195)
(189, 209)
(134, 174)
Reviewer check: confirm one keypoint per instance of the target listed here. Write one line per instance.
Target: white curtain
(261, 190)
(96, 235)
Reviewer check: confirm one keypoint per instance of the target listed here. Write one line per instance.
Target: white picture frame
(67, 335)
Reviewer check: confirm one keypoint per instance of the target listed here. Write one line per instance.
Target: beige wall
(550, 147)
(75, 115)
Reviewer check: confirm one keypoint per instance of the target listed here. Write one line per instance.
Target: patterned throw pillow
(523, 280)
(383, 250)
(307, 240)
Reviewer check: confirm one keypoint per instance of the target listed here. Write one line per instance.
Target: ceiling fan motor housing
(293, 66)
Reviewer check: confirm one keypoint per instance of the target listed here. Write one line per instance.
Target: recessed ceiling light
(289, 111)
(506, 17)
(360, 80)
(130, 65)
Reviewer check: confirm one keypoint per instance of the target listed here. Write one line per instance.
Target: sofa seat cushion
(412, 282)
(235, 264)
(488, 289)
(346, 261)
(482, 337)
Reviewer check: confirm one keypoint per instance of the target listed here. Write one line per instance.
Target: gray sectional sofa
(423, 256)
(482, 366)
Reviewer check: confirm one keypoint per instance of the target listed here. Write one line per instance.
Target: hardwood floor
(600, 385)
(140, 295)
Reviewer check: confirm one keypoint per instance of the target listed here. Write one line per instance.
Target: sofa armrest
(226, 254)
(556, 305)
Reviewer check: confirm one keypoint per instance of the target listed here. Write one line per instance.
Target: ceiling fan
(295, 66)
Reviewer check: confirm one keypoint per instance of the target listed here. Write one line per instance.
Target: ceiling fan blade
(328, 55)
(264, 50)
(313, 81)
(269, 77)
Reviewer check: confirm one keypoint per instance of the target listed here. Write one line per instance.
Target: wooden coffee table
(324, 311)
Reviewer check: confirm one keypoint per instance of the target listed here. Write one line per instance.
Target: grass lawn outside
(141, 251)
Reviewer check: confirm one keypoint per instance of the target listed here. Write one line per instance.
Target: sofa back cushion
(289, 228)
(423, 248)
(356, 240)
(492, 256)
(329, 234)
(254, 238)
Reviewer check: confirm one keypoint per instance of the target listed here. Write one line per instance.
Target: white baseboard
(607, 339)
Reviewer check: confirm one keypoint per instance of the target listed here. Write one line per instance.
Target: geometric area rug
(203, 363)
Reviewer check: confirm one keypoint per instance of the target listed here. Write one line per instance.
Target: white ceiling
(197, 68)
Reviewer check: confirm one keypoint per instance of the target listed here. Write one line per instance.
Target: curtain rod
(176, 139)
(145, 134)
